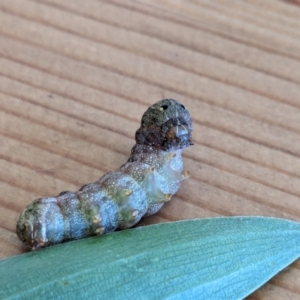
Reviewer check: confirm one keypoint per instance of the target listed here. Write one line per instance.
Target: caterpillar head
(166, 124)
(25, 225)
(42, 213)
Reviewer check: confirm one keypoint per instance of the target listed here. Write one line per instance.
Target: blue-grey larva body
(119, 199)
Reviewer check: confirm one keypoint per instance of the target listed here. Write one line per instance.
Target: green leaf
(218, 258)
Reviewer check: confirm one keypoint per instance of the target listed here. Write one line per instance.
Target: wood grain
(76, 76)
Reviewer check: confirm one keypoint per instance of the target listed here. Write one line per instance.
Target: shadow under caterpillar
(119, 199)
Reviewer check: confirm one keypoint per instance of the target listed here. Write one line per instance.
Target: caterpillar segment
(119, 199)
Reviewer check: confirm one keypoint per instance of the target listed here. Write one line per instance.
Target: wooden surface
(76, 76)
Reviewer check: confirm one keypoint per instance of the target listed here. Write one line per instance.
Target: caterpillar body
(119, 199)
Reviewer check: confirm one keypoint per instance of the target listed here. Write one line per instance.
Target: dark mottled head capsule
(41, 214)
(25, 226)
(166, 124)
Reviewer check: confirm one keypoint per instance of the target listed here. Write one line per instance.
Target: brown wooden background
(76, 76)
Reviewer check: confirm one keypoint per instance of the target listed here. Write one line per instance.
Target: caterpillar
(119, 199)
